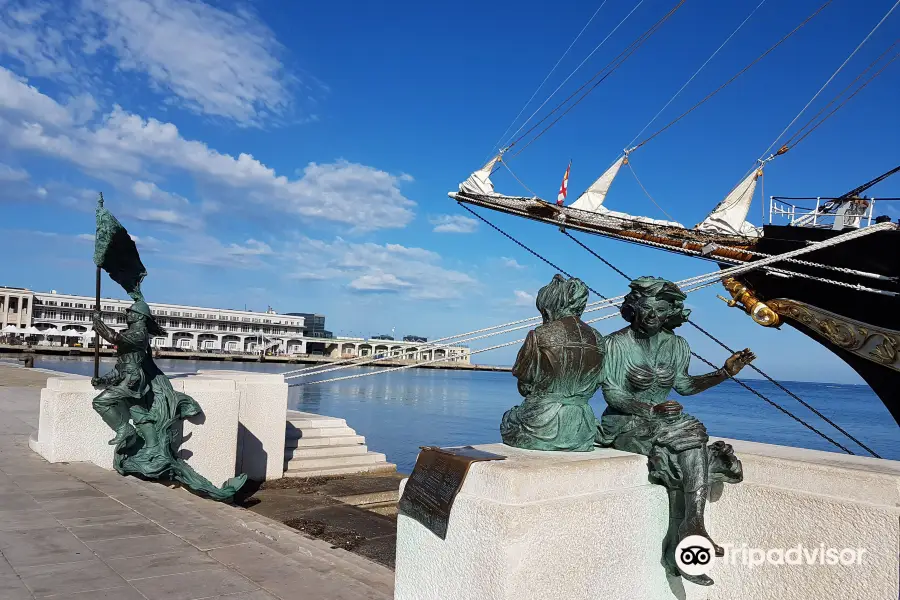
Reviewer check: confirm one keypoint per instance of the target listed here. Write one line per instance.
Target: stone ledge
(583, 526)
(522, 477)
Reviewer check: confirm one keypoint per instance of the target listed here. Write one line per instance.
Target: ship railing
(852, 213)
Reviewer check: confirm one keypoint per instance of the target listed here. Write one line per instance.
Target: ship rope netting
(703, 279)
(690, 285)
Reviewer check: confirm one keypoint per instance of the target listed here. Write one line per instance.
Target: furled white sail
(479, 182)
(592, 199)
(730, 216)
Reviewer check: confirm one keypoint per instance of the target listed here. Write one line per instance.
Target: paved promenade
(78, 532)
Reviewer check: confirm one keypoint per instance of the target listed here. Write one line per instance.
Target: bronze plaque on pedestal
(437, 477)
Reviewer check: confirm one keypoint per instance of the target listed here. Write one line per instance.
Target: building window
(65, 315)
(176, 314)
(51, 302)
(80, 305)
(80, 317)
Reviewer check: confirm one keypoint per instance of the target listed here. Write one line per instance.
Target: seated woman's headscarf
(562, 298)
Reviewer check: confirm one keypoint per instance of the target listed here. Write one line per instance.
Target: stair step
(372, 499)
(318, 432)
(317, 423)
(328, 450)
(365, 468)
(342, 440)
(327, 462)
(390, 510)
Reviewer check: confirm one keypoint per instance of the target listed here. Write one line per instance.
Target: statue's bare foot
(124, 433)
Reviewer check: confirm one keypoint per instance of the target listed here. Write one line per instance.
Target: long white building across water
(25, 313)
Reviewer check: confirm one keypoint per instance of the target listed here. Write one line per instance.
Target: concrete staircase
(316, 445)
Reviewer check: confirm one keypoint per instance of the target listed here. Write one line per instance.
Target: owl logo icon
(694, 555)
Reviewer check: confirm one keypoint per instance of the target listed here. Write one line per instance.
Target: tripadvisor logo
(695, 555)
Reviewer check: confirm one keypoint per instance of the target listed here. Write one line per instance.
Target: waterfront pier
(75, 530)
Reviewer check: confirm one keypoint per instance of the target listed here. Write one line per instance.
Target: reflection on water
(402, 410)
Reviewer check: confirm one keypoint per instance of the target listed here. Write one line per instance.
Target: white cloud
(454, 224)
(124, 145)
(511, 263)
(146, 190)
(414, 272)
(26, 102)
(378, 282)
(250, 248)
(87, 237)
(522, 298)
(162, 216)
(8, 173)
(209, 60)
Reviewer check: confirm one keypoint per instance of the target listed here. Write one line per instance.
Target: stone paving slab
(75, 531)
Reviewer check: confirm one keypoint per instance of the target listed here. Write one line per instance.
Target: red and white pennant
(564, 188)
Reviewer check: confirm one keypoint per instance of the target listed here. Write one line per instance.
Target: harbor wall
(583, 526)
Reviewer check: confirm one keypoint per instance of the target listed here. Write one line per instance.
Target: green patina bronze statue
(644, 362)
(136, 390)
(564, 361)
(559, 369)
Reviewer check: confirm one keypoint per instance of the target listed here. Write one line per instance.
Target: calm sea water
(402, 410)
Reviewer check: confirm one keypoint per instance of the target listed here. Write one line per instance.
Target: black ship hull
(861, 326)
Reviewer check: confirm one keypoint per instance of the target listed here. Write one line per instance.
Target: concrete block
(262, 408)
(69, 429)
(588, 525)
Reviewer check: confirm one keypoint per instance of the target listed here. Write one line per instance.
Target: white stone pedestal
(588, 526)
(256, 404)
(262, 401)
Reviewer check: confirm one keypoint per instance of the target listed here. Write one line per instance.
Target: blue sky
(298, 155)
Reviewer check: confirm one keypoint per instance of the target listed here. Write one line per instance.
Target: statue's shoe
(123, 434)
(698, 579)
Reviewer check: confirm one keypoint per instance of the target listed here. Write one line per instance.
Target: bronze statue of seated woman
(559, 369)
(643, 363)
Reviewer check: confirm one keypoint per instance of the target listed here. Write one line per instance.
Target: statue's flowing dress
(646, 372)
(559, 369)
(156, 409)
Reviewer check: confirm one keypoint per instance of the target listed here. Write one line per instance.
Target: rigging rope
(612, 66)
(581, 64)
(741, 383)
(671, 218)
(697, 72)
(699, 280)
(739, 73)
(833, 75)
(833, 100)
(841, 105)
(751, 365)
(577, 37)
